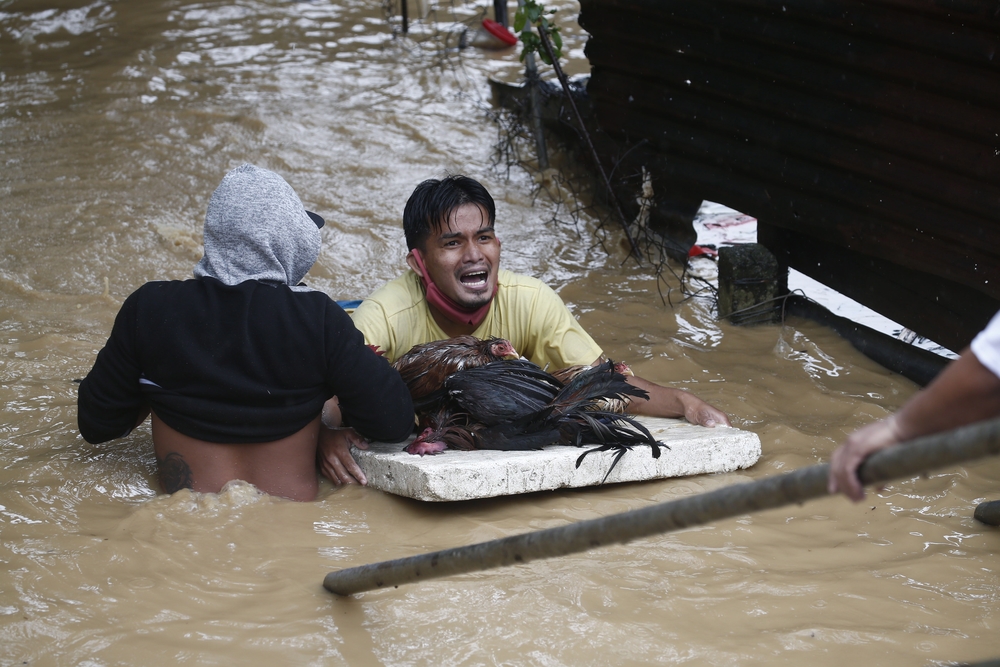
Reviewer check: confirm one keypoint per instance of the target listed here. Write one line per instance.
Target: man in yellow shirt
(525, 311)
(455, 287)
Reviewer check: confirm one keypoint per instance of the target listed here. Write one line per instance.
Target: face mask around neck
(455, 312)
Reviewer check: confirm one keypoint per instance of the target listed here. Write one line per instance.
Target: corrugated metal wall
(862, 135)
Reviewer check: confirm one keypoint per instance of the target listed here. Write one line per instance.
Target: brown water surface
(118, 119)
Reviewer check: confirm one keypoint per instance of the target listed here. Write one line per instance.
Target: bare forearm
(965, 392)
(670, 402)
(662, 401)
(331, 414)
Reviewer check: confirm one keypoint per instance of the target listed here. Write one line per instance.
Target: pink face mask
(455, 312)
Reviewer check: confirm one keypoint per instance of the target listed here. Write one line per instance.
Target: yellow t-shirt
(525, 311)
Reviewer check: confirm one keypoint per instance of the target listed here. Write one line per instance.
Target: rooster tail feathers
(611, 431)
(619, 453)
(598, 383)
(602, 426)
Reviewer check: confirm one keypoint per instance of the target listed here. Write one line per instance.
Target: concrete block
(458, 475)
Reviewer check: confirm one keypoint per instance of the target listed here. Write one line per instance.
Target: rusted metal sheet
(851, 130)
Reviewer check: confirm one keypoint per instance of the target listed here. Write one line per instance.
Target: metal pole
(907, 460)
(534, 98)
(500, 12)
(405, 13)
(536, 110)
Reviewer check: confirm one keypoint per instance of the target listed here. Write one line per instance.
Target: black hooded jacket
(236, 355)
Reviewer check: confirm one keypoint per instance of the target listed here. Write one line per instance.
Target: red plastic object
(499, 31)
(697, 250)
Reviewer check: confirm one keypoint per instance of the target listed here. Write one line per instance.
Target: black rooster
(515, 405)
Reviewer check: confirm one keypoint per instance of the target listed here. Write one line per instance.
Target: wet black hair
(433, 202)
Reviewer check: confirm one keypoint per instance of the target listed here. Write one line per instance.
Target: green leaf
(532, 13)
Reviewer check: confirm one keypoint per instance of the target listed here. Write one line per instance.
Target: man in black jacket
(235, 365)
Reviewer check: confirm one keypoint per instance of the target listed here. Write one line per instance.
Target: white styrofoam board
(465, 475)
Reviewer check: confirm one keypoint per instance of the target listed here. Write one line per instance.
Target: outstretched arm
(965, 392)
(670, 402)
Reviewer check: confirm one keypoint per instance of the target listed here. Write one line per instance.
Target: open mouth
(474, 278)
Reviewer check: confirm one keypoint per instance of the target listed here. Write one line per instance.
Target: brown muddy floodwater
(118, 119)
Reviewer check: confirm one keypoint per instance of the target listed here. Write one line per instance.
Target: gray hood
(257, 229)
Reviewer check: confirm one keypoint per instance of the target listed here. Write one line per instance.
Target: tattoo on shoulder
(175, 473)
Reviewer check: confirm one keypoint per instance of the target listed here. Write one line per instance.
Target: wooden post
(906, 460)
(748, 284)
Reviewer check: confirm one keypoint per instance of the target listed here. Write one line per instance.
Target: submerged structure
(863, 136)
